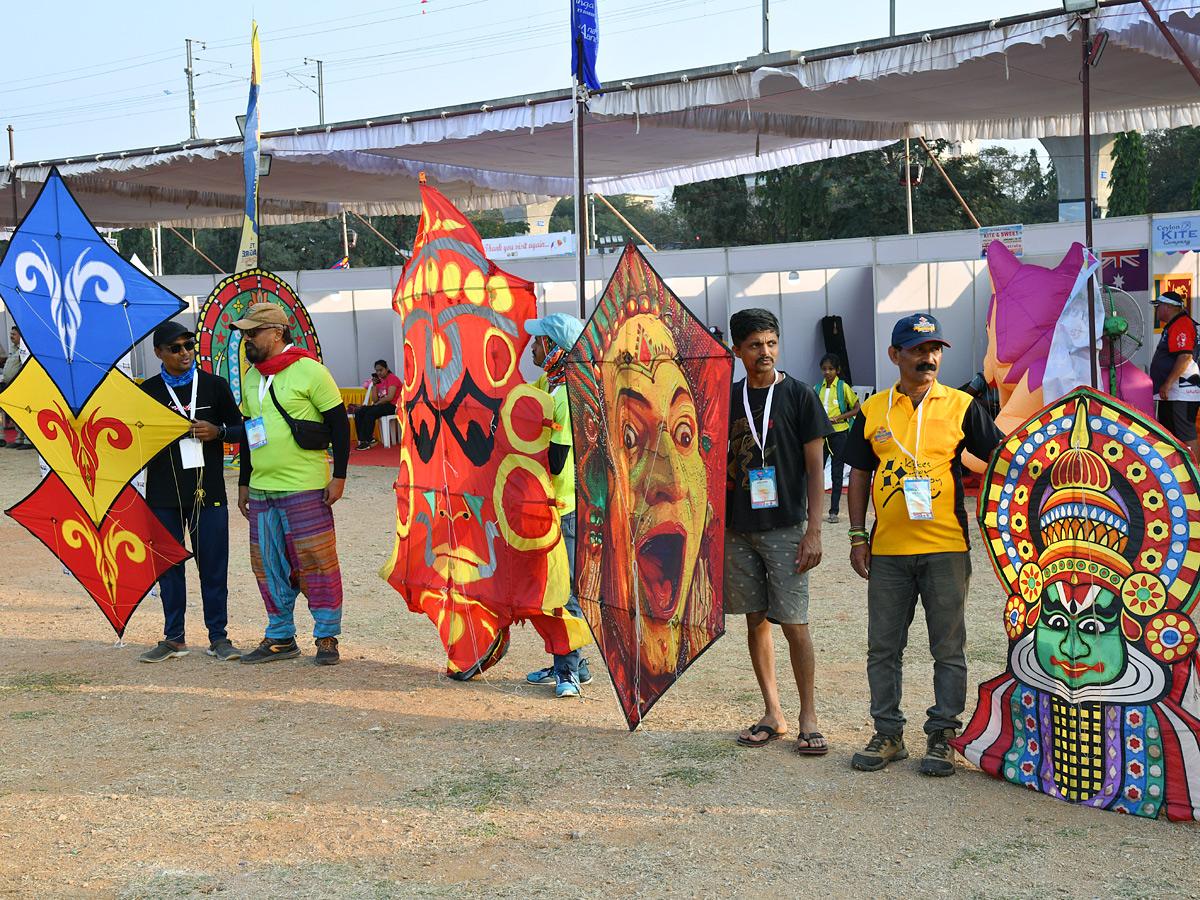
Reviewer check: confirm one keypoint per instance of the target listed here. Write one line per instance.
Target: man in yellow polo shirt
(905, 449)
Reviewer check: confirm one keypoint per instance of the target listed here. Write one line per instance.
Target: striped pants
(293, 549)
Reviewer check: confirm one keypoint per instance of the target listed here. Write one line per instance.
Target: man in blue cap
(553, 336)
(905, 449)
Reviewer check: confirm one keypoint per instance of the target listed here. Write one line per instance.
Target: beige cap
(261, 314)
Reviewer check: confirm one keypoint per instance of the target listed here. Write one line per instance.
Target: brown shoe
(882, 749)
(939, 755)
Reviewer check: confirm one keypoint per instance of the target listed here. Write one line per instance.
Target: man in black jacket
(185, 485)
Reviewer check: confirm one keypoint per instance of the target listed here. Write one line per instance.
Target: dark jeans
(833, 447)
(941, 581)
(367, 416)
(209, 531)
(568, 664)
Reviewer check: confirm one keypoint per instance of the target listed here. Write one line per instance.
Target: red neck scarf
(281, 361)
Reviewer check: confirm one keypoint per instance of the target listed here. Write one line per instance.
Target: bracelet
(862, 543)
(858, 531)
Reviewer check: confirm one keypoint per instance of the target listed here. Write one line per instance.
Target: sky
(97, 78)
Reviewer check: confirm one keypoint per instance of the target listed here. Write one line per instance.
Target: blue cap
(917, 329)
(563, 330)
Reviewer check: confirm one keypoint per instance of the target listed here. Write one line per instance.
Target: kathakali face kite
(478, 537)
(649, 393)
(1092, 519)
(220, 343)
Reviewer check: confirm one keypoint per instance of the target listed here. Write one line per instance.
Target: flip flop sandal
(771, 733)
(810, 750)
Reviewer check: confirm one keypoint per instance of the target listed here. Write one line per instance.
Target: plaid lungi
(293, 549)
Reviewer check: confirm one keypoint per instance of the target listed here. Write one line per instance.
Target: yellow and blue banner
(248, 249)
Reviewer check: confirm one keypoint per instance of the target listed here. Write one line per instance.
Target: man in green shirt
(285, 490)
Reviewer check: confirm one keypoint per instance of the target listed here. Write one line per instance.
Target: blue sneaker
(546, 676)
(566, 687)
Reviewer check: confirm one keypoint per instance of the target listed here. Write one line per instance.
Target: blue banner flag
(248, 248)
(585, 42)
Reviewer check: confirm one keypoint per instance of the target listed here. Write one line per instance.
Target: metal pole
(766, 27)
(1085, 77)
(908, 184)
(938, 166)
(617, 213)
(892, 18)
(345, 240)
(191, 87)
(197, 249)
(403, 254)
(581, 229)
(320, 86)
(12, 167)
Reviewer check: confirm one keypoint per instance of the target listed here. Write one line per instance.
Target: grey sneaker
(939, 755)
(546, 676)
(882, 749)
(270, 649)
(163, 651)
(223, 650)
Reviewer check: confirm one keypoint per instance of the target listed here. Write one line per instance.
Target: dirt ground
(379, 778)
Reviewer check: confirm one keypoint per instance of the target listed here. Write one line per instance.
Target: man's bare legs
(762, 658)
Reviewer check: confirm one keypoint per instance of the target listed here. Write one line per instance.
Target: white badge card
(763, 492)
(919, 497)
(191, 453)
(256, 433)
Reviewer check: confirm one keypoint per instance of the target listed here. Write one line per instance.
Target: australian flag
(1127, 270)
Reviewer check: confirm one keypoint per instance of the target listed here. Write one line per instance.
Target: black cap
(917, 329)
(1169, 297)
(168, 331)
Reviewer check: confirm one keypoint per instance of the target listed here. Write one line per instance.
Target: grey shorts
(761, 576)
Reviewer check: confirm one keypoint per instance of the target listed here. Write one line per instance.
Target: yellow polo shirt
(883, 440)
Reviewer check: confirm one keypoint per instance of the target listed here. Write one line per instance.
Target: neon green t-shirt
(304, 389)
(564, 482)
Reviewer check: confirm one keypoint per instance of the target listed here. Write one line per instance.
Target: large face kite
(479, 543)
(649, 390)
(1092, 518)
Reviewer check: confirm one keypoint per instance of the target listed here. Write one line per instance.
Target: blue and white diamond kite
(79, 305)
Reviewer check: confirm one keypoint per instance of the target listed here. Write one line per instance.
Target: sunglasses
(189, 346)
(252, 333)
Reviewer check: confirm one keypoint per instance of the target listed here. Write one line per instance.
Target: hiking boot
(566, 686)
(164, 651)
(327, 651)
(272, 648)
(882, 749)
(223, 650)
(939, 755)
(546, 676)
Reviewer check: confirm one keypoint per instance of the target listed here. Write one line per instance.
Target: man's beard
(253, 354)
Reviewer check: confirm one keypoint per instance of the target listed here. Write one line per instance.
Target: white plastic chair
(386, 424)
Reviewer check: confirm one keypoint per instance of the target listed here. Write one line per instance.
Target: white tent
(1010, 78)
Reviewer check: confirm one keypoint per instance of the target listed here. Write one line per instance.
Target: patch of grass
(483, 830)
(30, 714)
(54, 682)
(477, 790)
(688, 775)
(998, 852)
(702, 749)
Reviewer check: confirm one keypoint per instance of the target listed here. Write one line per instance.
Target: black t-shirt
(797, 417)
(168, 483)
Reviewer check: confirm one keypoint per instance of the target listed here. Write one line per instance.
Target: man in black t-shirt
(777, 427)
(185, 486)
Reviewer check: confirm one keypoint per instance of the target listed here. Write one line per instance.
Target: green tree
(716, 213)
(1172, 157)
(1130, 194)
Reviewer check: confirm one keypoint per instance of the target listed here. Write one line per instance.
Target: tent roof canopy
(1009, 78)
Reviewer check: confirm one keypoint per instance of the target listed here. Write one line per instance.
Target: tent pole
(1085, 78)
(617, 213)
(345, 240)
(938, 165)
(1166, 33)
(581, 228)
(12, 166)
(197, 249)
(908, 184)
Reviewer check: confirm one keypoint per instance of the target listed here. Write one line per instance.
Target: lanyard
(263, 386)
(190, 409)
(917, 445)
(762, 445)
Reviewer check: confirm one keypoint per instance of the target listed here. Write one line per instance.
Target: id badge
(191, 453)
(919, 498)
(763, 493)
(256, 433)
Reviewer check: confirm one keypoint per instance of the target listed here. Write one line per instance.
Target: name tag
(256, 433)
(919, 497)
(191, 453)
(763, 491)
